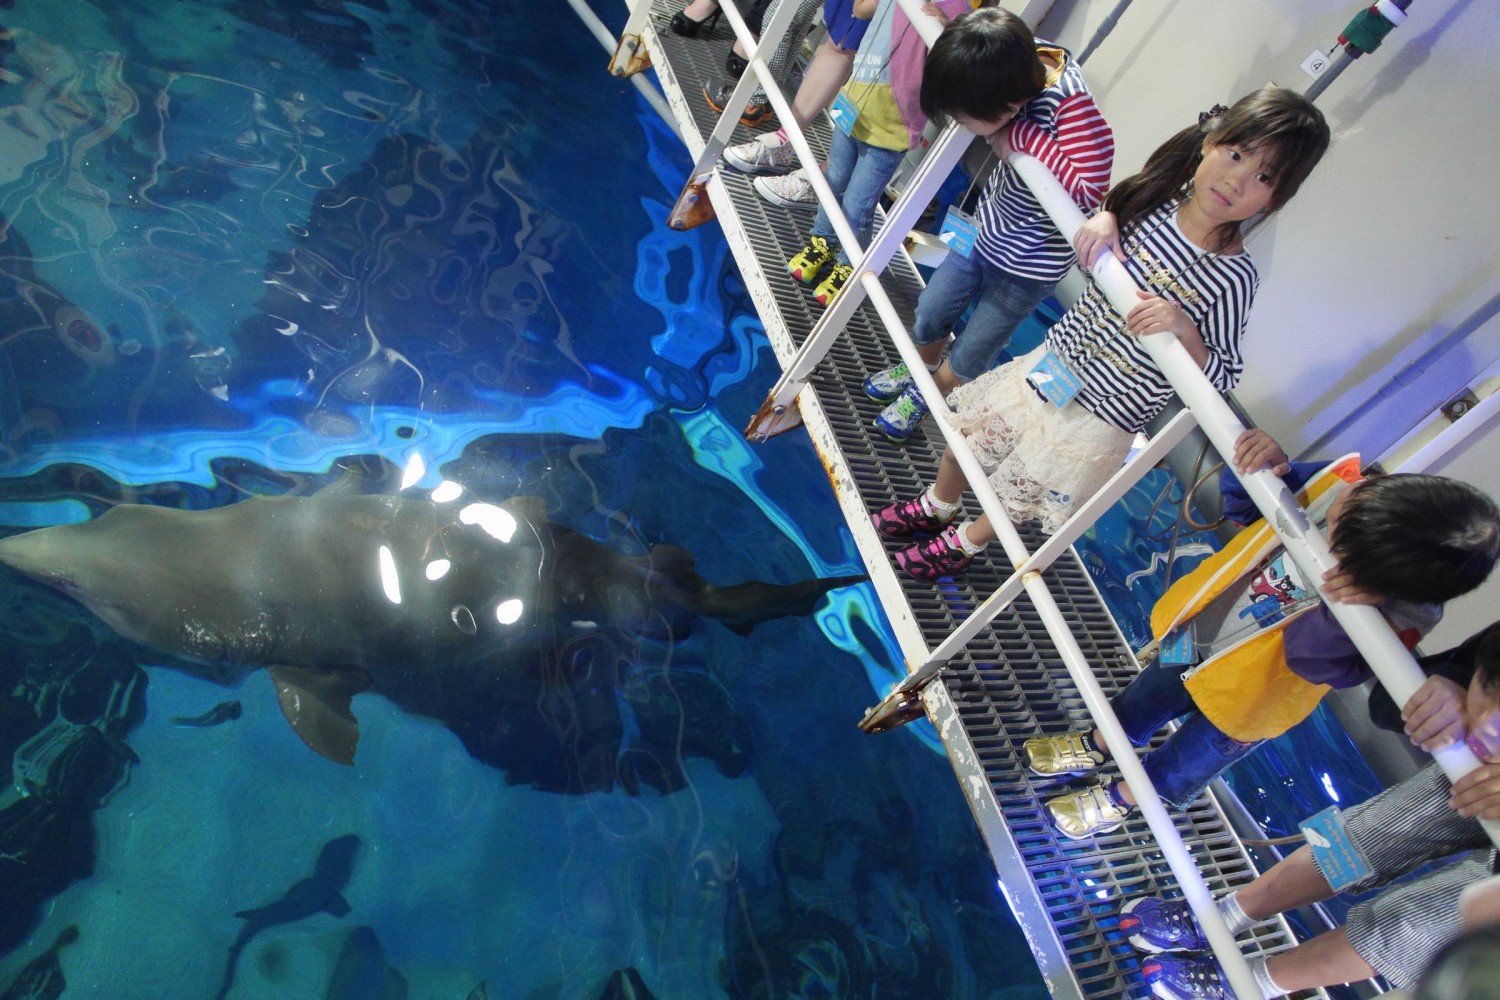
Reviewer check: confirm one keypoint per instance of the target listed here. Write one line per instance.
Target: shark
(321, 892)
(421, 600)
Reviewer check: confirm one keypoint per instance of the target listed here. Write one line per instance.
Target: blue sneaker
(898, 420)
(1185, 978)
(885, 386)
(1158, 925)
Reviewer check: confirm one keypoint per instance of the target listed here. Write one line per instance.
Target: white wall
(1392, 244)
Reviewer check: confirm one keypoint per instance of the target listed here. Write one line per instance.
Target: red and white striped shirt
(1062, 127)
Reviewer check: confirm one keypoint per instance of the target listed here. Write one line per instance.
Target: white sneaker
(792, 190)
(765, 154)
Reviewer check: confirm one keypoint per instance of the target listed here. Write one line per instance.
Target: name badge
(843, 113)
(959, 231)
(1179, 647)
(1054, 380)
(1338, 857)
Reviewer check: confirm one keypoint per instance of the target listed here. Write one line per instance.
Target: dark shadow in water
(72, 693)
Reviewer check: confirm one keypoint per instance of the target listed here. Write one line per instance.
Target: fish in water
(322, 892)
(336, 594)
(224, 711)
(42, 979)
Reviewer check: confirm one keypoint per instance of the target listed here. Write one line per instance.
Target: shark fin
(316, 703)
(338, 906)
(480, 992)
(745, 605)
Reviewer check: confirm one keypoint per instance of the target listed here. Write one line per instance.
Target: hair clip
(1217, 111)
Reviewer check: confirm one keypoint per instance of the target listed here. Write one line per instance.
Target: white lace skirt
(1042, 461)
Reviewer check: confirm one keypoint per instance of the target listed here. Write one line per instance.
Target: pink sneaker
(910, 519)
(934, 558)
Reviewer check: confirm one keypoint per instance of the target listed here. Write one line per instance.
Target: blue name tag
(843, 113)
(1054, 380)
(1179, 647)
(1339, 858)
(959, 231)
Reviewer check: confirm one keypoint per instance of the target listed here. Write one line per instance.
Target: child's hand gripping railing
(1389, 660)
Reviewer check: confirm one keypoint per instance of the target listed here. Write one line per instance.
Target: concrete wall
(1380, 281)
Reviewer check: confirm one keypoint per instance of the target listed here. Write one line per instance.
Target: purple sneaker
(934, 558)
(1158, 925)
(910, 519)
(1185, 978)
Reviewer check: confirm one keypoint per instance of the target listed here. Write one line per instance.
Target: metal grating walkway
(1010, 683)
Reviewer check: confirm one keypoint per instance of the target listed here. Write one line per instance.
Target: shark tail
(745, 605)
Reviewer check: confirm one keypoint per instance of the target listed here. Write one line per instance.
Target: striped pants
(1400, 830)
(784, 58)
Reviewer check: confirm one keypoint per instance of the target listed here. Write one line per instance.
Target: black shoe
(685, 26)
(736, 64)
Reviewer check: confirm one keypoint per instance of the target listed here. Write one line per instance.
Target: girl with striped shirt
(1178, 227)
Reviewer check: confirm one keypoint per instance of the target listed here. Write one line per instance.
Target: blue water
(249, 246)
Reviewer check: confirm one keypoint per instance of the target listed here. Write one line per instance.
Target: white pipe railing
(597, 28)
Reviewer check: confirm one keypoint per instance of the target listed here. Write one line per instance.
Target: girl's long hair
(1281, 122)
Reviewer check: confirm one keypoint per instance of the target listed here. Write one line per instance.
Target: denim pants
(1194, 755)
(1005, 301)
(858, 173)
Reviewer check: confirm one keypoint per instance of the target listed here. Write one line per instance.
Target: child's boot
(937, 557)
(791, 190)
(1186, 977)
(914, 518)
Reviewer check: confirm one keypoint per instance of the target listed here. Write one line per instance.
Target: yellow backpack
(1246, 689)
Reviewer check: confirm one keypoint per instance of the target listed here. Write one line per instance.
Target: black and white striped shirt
(1121, 384)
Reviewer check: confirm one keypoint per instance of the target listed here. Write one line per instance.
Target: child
(886, 125)
(1177, 227)
(771, 153)
(1019, 255)
(1422, 820)
(1248, 650)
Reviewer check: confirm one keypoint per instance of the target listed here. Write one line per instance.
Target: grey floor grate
(1010, 683)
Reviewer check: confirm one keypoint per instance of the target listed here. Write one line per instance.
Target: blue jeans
(1194, 755)
(1005, 301)
(858, 173)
